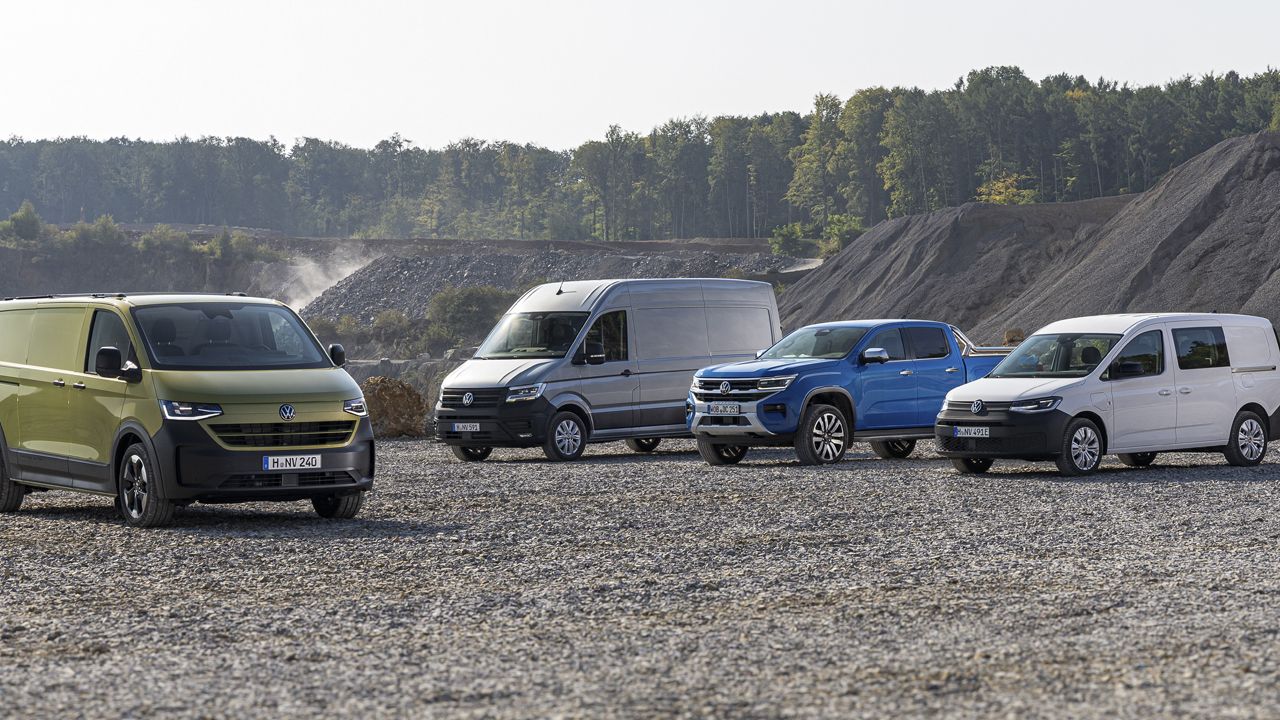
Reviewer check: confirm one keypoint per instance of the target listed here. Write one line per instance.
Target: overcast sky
(555, 72)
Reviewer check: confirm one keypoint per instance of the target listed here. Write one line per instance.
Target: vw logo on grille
(977, 408)
(725, 388)
(468, 398)
(287, 412)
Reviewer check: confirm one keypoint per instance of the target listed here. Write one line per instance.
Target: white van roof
(1123, 323)
(583, 295)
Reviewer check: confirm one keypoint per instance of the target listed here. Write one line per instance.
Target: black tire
(11, 493)
(721, 453)
(566, 437)
(972, 465)
(823, 435)
(471, 454)
(893, 449)
(338, 507)
(140, 497)
(1082, 448)
(1247, 443)
(1137, 459)
(644, 445)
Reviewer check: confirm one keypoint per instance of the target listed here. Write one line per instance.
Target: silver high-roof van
(578, 362)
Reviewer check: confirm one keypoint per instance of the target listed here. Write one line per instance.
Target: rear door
(44, 408)
(1144, 407)
(97, 403)
(611, 388)
(886, 396)
(938, 369)
(1206, 399)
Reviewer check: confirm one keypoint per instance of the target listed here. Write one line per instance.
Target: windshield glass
(815, 342)
(1056, 356)
(533, 335)
(227, 336)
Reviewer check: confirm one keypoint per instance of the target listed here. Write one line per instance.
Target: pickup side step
(920, 433)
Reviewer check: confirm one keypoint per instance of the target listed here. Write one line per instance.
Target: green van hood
(255, 386)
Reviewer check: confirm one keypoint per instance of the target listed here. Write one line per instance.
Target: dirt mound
(395, 408)
(408, 283)
(1205, 238)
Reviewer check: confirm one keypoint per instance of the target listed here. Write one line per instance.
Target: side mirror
(108, 363)
(594, 352)
(338, 355)
(874, 355)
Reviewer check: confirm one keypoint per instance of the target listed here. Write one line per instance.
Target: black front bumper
(518, 424)
(1027, 436)
(194, 467)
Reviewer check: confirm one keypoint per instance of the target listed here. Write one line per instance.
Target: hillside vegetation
(996, 136)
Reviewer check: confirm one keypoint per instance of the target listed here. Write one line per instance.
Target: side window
(107, 331)
(610, 330)
(1146, 350)
(891, 341)
(1200, 348)
(927, 342)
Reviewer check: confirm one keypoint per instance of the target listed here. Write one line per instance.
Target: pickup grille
(740, 390)
(481, 398)
(263, 435)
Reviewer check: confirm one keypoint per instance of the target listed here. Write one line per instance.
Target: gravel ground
(658, 586)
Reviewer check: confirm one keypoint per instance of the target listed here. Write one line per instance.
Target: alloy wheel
(1251, 439)
(133, 490)
(828, 436)
(1085, 448)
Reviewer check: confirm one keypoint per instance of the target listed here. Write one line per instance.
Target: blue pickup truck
(823, 386)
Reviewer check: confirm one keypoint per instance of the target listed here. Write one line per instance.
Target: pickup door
(938, 368)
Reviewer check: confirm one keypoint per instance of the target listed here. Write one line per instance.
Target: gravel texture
(658, 586)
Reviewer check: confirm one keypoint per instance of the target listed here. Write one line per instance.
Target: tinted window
(227, 336)
(1200, 348)
(107, 331)
(610, 330)
(927, 343)
(891, 342)
(1146, 350)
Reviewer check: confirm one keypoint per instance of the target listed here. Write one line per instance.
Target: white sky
(555, 72)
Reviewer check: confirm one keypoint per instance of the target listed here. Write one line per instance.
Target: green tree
(814, 186)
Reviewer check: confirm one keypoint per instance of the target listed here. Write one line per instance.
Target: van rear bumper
(511, 425)
(193, 467)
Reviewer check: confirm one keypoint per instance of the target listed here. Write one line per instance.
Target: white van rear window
(1250, 346)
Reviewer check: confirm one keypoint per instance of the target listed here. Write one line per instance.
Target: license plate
(466, 427)
(290, 462)
(972, 431)
(724, 408)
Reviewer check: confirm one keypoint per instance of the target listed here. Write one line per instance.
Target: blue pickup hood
(766, 368)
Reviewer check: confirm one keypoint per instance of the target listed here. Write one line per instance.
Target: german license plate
(466, 427)
(290, 462)
(724, 408)
(978, 431)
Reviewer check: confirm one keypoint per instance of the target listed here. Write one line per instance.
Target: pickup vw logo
(287, 412)
(725, 388)
(468, 398)
(977, 408)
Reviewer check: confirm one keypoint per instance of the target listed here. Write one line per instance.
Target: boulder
(395, 408)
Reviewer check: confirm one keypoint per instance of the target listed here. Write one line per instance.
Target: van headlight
(175, 410)
(355, 407)
(774, 383)
(525, 392)
(1035, 406)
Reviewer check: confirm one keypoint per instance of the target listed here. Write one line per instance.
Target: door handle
(78, 386)
(1165, 392)
(626, 373)
(906, 372)
(1184, 391)
(59, 383)
(953, 370)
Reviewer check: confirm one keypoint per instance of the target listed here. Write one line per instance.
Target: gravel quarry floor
(658, 586)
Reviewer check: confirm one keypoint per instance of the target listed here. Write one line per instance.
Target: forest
(995, 136)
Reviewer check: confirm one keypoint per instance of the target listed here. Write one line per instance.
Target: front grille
(968, 406)
(481, 398)
(284, 434)
(723, 421)
(1033, 442)
(740, 390)
(284, 480)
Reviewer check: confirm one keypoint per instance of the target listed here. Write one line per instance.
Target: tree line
(995, 136)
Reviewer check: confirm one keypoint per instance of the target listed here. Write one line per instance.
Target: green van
(164, 400)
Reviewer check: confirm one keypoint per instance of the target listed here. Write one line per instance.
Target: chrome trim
(1253, 369)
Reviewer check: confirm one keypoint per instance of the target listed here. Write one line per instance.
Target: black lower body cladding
(518, 424)
(193, 467)
(1030, 436)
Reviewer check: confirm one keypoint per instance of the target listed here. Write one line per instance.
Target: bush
(466, 314)
(840, 231)
(787, 239)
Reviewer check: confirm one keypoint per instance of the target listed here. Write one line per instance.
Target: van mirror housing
(875, 355)
(594, 352)
(338, 355)
(108, 363)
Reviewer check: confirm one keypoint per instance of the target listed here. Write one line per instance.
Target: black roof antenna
(560, 290)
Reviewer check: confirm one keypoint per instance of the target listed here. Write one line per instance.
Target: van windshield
(1056, 356)
(227, 336)
(816, 342)
(533, 335)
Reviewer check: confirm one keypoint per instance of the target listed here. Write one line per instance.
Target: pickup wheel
(822, 436)
(972, 465)
(1247, 443)
(893, 449)
(11, 493)
(1137, 459)
(1082, 448)
(644, 445)
(721, 453)
(471, 454)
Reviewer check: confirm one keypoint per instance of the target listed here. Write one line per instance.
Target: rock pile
(395, 408)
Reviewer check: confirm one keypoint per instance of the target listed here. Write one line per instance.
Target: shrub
(787, 239)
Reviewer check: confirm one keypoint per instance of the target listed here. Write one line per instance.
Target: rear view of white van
(1129, 385)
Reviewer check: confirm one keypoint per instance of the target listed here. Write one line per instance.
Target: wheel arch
(1261, 412)
(1096, 419)
(577, 409)
(837, 396)
(128, 434)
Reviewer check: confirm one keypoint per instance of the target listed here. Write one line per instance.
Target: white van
(578, 362)
(1131, 385)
